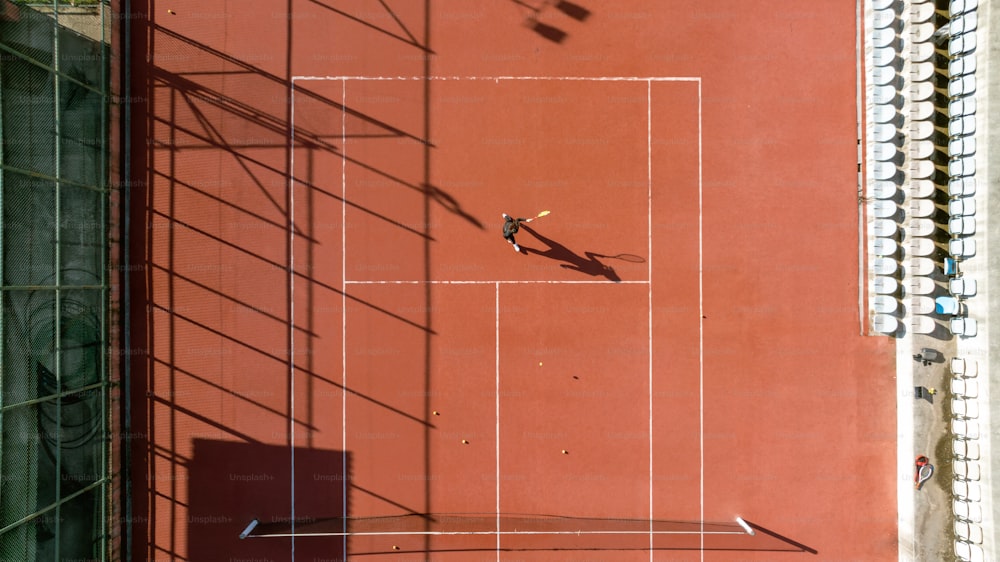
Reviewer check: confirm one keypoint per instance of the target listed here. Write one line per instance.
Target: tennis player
(510, 228)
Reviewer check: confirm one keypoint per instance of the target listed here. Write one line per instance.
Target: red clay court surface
(321, 189)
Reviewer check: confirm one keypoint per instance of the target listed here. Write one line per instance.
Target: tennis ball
(539, 363)
(565, 452)
(465, 442)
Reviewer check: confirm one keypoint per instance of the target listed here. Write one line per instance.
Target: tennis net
(487, 524)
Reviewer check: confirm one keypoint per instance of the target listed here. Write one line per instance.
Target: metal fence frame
(105, 486)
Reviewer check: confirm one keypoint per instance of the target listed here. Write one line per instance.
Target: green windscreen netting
(54, 223)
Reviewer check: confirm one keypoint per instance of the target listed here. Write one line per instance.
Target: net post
(746, 526)
(249, 529)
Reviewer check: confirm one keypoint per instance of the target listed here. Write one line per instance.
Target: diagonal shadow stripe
(399, 22)
(270, 168)
(297, 274)
(229, 391)
(373, 26)
(210, 96)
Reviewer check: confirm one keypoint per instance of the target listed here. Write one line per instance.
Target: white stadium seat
(962, 226)
(962, 247)
(884, 56)
(962, 146)
(922, 12)
(962, 206)
(961, 86)
(967, 388)
(961, 44)
(960, 126)
(962, 287)
(967, 552)
(884, 95)
(967, 490)
(883, 37)
(962, 106)
(964, 23)
(964, 327)
(921, 130)
(964, 449)
(959, 7)
(966, 470)
(959, 187)
(962, 65)
(968, 511)
(969, 532)
(883, 18)
(962, 167)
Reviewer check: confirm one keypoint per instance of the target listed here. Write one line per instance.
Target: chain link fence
(55, 226)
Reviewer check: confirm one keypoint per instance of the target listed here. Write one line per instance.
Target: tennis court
(343, 347)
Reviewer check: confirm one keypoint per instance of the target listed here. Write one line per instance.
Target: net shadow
(233, 483)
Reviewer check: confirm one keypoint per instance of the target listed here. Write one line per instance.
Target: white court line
(497, 336)
(506, 78)
(291, 308)
(701, 341)
(648, 80)
(494, 282)
(343, 302)
(649, 275)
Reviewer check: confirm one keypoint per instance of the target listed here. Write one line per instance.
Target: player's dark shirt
(511, 226)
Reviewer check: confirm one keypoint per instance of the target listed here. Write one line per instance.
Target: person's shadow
(591, 266)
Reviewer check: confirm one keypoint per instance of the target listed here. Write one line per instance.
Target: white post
(246, 532)
(746, 526)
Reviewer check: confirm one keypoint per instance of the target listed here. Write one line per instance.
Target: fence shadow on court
(227, 110)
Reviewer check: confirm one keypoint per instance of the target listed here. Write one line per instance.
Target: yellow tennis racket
(538, 216)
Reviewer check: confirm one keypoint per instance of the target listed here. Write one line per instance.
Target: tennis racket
(923, 475)
(538, 216)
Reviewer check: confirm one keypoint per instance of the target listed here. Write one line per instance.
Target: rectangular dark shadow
(233, 483)
(575, 11)
(549, 32)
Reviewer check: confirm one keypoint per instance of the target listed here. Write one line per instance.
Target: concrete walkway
(986, 269)
(926, 517)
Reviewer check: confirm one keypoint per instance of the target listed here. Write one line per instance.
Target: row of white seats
(886, 79)
(960, 30)
(967, 471)
(884, 302)
(883, 247)
(920, 307)
(961, 33)
(921, 169)
(887, 59)
(961, 168)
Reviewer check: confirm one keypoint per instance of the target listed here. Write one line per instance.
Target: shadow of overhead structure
(550, 32)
